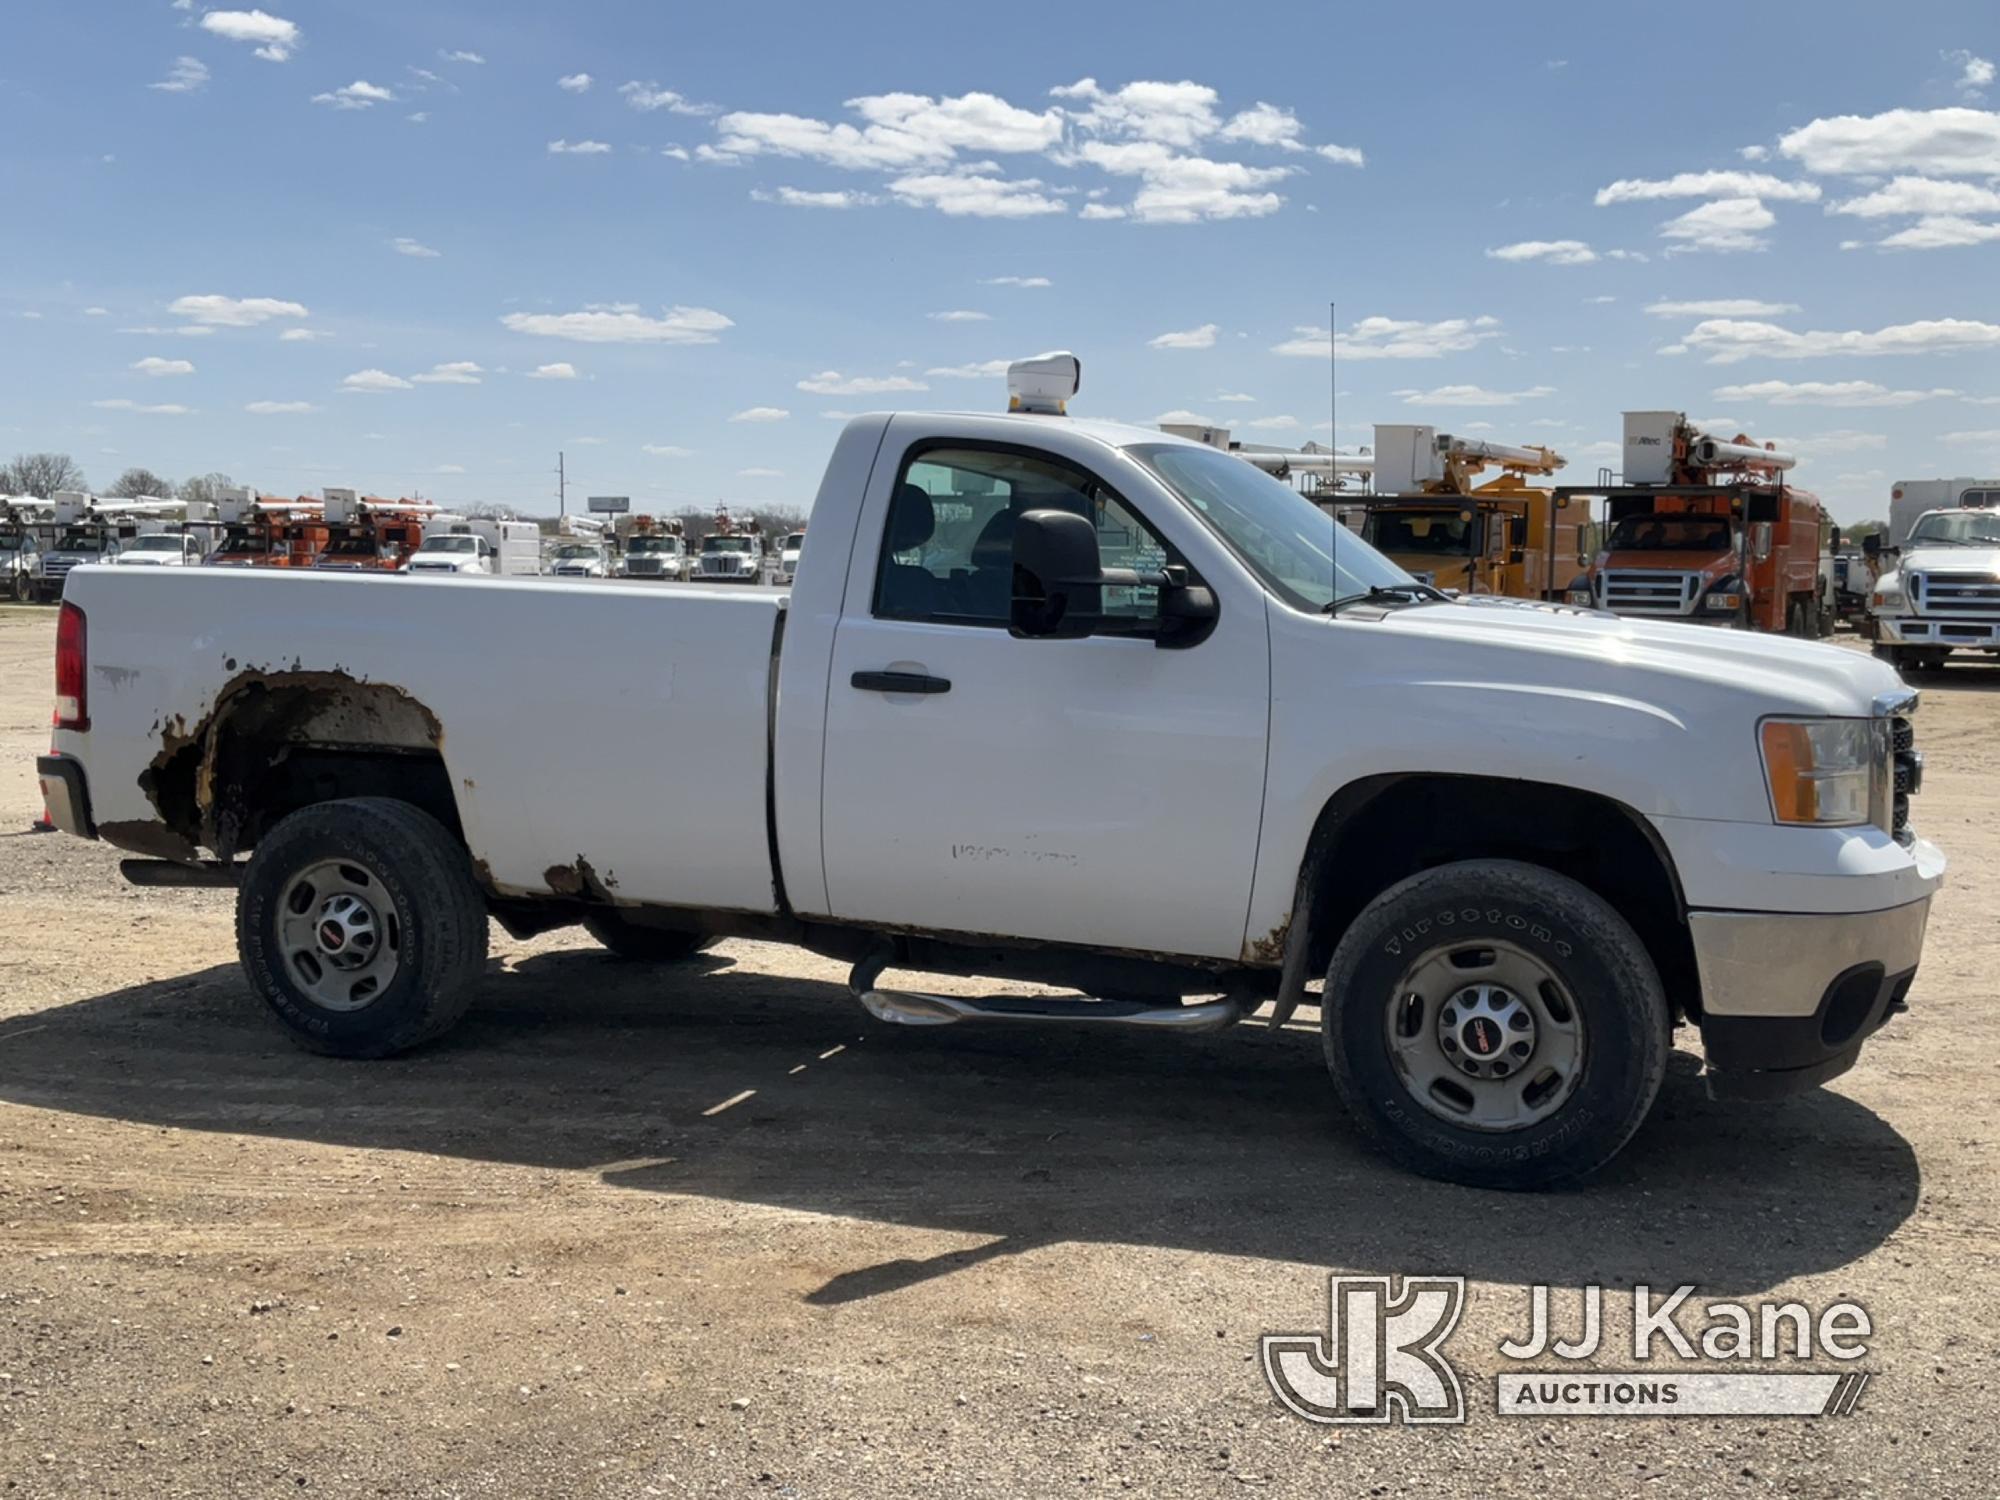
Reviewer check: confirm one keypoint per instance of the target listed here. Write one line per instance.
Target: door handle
(900, 682)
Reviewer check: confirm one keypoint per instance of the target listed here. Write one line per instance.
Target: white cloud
(97, 312)
(576, 83)
(276, 38)
(623, 323)
(1177, 189)
(418, 117)
(578, 148)
(216, 311)
(1275, 424)
(1020, 281)
(458, 372)
(648, 97)
(1728, 341)
(461, 57)
(1920, 195)
(189, 331)
(562, 369)
(1188, 338)
(1394, 338)
(1721, 307)
(360, 94)
(1346, 156)
(1235, 396)
(1754, 153)
(761, 414)
(960, 315)
(984, 369)
(1174, 114)
(1265, 125)
(1708, 185)
(971, 194)
(1937, 142)
(153, 365)
(1988, 435)
(188, 75)
(793, 197)
(1840, 440)
(166, 409)
(1096, 211)
(833, 383)
(410, 247)
(1727, 224)
(1975, 73)
(678, 153)
(1180, 417)
(902, 131)
(760, 473)
(666, 450)
(449, 469)
(1847, 393)
(1472, 395)
(279, 408)
(374, 380)
(1600, 301)
(1555, 252)
(302, 335)
(1941, 232)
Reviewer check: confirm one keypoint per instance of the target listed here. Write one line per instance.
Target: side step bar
(910, 1008)
(168, 872)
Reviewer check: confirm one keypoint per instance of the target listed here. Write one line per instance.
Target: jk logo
(1378, 1356)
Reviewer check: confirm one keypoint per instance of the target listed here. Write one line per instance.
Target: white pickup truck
(1940, 590)
(1081, 704)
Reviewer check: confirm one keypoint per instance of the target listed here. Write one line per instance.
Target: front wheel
(1496, 1024)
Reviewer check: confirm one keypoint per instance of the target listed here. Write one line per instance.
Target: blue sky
(424, 246)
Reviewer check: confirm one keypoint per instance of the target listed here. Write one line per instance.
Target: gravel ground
(709, 1230)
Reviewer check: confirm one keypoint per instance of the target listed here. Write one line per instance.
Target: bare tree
(40, 475)
(205, 487)
(136, 482)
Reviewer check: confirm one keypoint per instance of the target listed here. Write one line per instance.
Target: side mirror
(1760, 540)
(1871, 545)
(1058, 577)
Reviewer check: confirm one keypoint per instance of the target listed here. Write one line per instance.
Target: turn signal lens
(1820, 771)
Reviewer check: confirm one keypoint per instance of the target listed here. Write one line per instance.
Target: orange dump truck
(1709, 532)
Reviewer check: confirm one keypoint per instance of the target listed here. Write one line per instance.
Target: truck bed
(623, 727)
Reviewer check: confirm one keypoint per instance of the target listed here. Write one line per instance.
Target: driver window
(947, 553)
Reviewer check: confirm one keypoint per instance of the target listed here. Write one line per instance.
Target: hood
(1591, 651)
(1669, 562)
(1950, 560)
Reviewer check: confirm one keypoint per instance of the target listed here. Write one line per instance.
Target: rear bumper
(1789, 998)
(66, 794)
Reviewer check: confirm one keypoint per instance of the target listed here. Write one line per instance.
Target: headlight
(1580, 596)
(1888, 600)
(1722, 601)
(1827, 773)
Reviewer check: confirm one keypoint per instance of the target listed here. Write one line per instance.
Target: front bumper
(1788, 998)
(66, 794)
(1924, 630)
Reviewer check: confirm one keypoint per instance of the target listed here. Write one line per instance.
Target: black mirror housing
(1871, 544)
(1058, 576)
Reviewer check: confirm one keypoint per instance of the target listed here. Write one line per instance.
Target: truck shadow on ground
(715, 1080)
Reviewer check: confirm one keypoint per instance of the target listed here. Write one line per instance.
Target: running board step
(910, 1008)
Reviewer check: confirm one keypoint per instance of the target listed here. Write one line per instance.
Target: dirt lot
(710, 1230)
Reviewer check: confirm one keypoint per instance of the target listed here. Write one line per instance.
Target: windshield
(795, 541)
(726, 544)
(1957, 528)
(1670, 534)
(1443, 533)
(649, 546)
(1282, 537)
(154, 544)
(80, 541)
(242, 539)
(351, 546)
(576, 549)
(450, 544)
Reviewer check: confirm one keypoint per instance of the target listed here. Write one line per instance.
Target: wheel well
(282, 741)
(1383, 829)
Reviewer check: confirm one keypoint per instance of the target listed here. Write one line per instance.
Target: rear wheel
(1496, 1024)
(360, 926)
(635, 940)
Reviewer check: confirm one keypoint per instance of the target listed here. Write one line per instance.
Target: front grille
(1636, 592)
(1960, 595)
(1909, 776)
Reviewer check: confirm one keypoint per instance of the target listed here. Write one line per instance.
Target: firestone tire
(1600, 972)
(643, 944)
(415, 881)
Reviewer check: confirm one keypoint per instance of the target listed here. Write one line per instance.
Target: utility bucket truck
(1503, 537)
(369, 534)
(1058, 701)
(1710, 532)
(732, 552)
(653, 548)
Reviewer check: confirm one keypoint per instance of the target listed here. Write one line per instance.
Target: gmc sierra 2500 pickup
(1075, 702)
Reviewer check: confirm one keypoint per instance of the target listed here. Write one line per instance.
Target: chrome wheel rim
(1484, 1034)
(339, 935)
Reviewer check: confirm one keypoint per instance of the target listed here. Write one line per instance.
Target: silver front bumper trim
(1781, 963)
(1937, 630)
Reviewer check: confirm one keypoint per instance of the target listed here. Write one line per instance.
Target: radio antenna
(1333, 437)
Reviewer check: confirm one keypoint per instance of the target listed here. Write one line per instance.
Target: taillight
(72, 670)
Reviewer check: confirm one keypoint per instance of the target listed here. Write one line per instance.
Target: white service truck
(1065, 701)
(1939, 590)
(456, 545)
